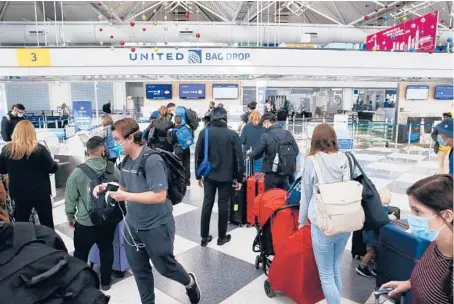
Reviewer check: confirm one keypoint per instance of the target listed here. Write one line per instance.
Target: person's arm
(3, 167)
(5, 129)
(307, 187)
(238, 160)
(199, 151)
(243, 136)
(257, 153)
(434, 135)
(46, 162)
(71, 196)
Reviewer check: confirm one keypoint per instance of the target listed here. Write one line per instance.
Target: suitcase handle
(45, 275)
(385, 291)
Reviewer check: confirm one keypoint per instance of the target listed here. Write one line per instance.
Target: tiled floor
(227, 274)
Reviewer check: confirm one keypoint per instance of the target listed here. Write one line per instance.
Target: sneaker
(224, 240)
(206, 240)
(374, 272)
(193, 292)
(106, 287)
(364, 272)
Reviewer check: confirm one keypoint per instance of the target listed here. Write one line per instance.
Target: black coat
(8, 125)
(159, 140)
(224, 153)
(268, 146)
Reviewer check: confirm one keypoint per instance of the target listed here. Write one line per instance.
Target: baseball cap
(445, 127)
(268, 116)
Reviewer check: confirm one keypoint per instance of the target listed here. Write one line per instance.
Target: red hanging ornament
(144, 29)
(99, 4)
(377, 9)
(186, 15)
(165, 43)
(442, 21)
(100, 29)
(197, 35)
(111, 36)
(122, 18)
(431, 51)
(366, 17)
(133, 49)
(386, 5)
(122, 43)
(132, 23)
(450, 27)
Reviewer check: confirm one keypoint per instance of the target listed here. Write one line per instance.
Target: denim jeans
(328, 252)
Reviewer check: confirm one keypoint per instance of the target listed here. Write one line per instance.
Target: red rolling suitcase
(255, 185)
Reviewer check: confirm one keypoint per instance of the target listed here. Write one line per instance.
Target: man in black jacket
(269, 146)
(10, 121)
(107, 107)
(227, 165)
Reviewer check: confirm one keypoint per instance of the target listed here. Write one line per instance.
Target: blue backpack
(294, 192)
(184, 137)
(204, 169)
(181, 111)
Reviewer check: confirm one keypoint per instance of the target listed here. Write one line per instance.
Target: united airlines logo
(194, 56)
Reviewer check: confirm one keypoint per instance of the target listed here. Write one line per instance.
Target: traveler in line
(156, 132)
(207, 116)
(10, 121)
(273, 139)
(245, 117)
(28, 164)
(107, 107)
(171, 110)
(441, 149)
(150, 226)
(227, 165)
(113, 149)
(77, 205)
(431, 202)
(250, 137)
(328, 250)
(183, 154)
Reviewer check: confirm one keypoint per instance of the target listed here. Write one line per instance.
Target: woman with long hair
(113, 149)
(28, 165)
(328, 250)
(431, 202)
(156, 133)
(250, 137)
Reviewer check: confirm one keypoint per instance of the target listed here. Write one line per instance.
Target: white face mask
(20, 115)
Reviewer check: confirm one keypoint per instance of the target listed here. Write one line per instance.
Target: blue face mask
(419, 226)
(441, 141)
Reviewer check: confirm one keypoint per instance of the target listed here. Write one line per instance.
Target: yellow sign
(33, 57)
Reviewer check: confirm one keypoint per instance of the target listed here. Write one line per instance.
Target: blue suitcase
(398, 253)
(120, 262)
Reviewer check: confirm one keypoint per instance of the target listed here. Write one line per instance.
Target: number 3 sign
(33, 57)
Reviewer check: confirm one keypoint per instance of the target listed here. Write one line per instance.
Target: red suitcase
(255, 186)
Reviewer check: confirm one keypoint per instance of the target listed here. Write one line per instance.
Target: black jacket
(224, 153)
(29, 177)
(159, 140)
(268, 146)
(8, 125)
(107, 108)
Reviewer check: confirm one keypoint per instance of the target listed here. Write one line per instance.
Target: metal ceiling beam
(113, 13)
(338, 12)
(260, 11)
(322, 14)
(238, 10)
(95, 8)
(142, 12)
(4, 8)
(201, 5)
(359, 20)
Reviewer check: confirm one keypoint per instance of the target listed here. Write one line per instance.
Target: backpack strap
(276, 139)
(318, 172)
(205, 153)
(110, 168)
(89, 172)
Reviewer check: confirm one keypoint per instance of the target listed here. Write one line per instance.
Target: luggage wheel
(248, 225)
(257, 262)
(268, 289)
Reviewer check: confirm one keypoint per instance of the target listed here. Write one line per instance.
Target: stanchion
(431, 141)
(409, 137)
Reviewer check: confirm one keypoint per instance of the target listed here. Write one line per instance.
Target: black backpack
(176, 173)
(192, 119)
(34, 270)
(287, 154)
(102, 213)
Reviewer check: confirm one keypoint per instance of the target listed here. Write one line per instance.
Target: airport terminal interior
(379, 72)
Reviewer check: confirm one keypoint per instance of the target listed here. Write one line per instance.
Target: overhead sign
(33, 57)
(189, 56)
(192, 91)
(225, 91)
(418, 35)
(444, 92)
(158, 91)
(82, 115)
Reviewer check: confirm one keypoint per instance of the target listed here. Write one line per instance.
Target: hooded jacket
(9, 123)
(250, 136)
(332, 167)
(78, 191)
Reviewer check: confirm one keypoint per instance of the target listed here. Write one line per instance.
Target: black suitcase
(238, 206)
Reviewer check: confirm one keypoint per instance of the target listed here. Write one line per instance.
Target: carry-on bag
(238, 206)
(294, 270)
(383, 292)
(255, 184)
(398, 253)
(120, 262)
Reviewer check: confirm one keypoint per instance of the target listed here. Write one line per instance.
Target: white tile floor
(389, 167)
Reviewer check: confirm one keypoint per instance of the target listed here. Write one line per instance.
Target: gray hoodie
(332, 167)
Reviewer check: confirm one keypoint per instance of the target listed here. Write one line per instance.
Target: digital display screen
(444, 92)
(225, 91)
(417, 92)
(192, 91)
(158, 91)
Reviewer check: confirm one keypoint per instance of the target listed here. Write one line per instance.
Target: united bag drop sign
(417, 35)
(189, 56)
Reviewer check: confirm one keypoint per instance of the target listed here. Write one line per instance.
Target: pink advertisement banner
(417, 35)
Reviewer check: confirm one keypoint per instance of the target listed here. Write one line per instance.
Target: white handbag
(338, 205)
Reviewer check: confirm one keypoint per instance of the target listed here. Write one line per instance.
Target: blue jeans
(328, 252)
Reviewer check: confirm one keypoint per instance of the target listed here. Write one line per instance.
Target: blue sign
(192, 91)
(82, 115)
(444, 92)
(158, 91)
(390, 92)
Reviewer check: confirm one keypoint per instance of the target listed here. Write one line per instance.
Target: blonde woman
(28, 165)
(250, 137)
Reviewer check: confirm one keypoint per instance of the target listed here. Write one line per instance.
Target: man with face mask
(445, 132)
(78, 204)
(271, 141)
(149, 222)
(441, 149)
(10, 121)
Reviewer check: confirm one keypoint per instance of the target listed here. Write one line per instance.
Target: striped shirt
(427, 279)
